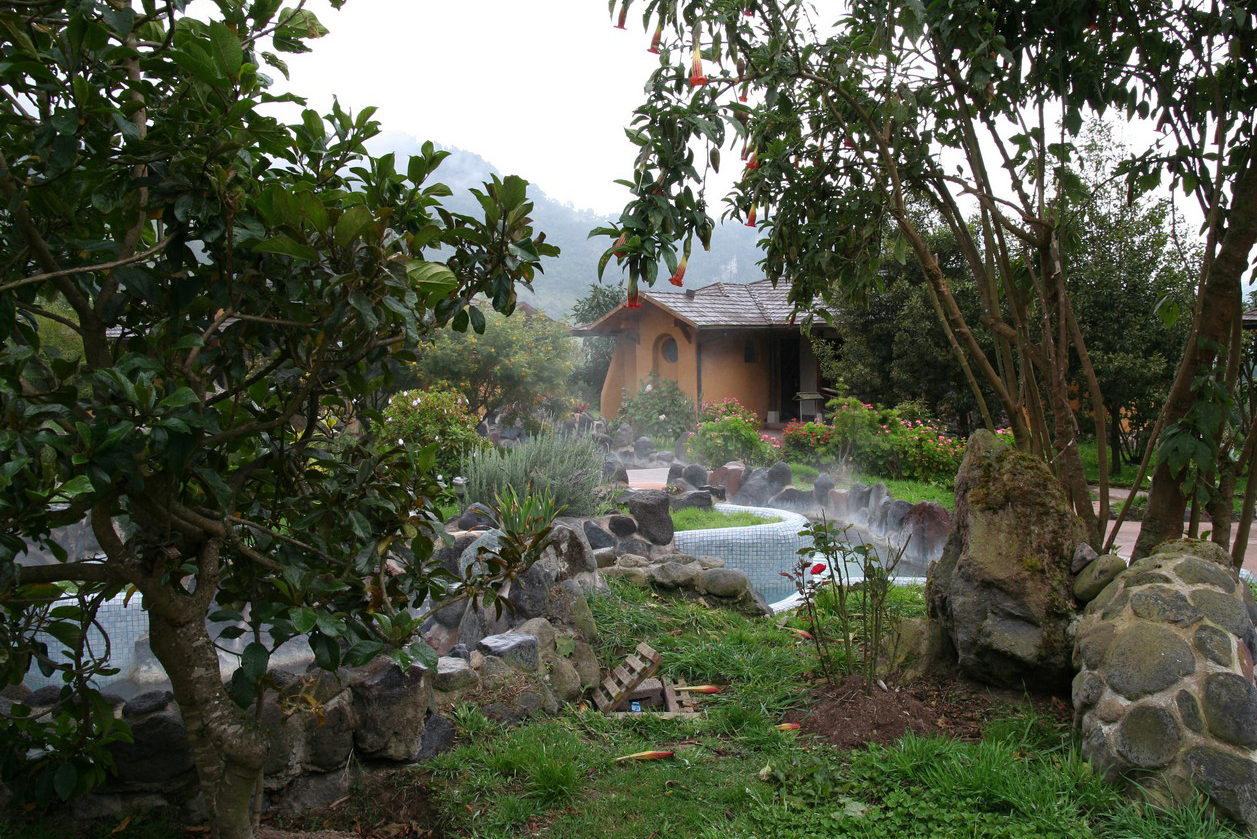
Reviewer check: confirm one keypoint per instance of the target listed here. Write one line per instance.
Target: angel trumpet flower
(651, 755)
(676, 279)
(623, 16)
(750, 218)
(654, 42)
(696, 73)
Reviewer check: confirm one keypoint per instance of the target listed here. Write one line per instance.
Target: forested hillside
(732, 258)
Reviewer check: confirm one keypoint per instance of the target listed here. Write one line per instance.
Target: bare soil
(387, 805)
(848, 716)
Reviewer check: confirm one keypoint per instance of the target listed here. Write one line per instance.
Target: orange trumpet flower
(652, 755)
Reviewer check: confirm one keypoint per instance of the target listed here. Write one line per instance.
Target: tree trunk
(1220, 299)
(1115, 443)
(226, 746)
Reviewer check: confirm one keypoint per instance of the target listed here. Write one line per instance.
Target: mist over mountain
(733, 246)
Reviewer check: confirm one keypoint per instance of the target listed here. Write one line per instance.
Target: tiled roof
(716, 306)
(730, 304)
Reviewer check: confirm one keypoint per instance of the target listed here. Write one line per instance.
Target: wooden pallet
(665, 690)
(615, 689)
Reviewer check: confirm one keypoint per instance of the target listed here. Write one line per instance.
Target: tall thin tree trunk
(1220, 300)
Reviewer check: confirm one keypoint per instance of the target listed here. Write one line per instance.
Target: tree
(972, 109)
(517, 366)
(892, 348)
(1130, 280)
(230, 281)
(596, 352)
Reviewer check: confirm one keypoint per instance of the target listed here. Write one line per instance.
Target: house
(722, 340)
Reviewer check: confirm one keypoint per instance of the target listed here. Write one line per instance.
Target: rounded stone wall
(1165, 695)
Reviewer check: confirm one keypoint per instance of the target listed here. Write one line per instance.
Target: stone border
(761, 551)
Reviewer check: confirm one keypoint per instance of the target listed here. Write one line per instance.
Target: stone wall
(1165, 696)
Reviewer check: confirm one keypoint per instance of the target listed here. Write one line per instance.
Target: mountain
(733, 246)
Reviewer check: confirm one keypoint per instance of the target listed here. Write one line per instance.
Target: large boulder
(391, 706)
(728, 476)
(1164, 697)
(697, 498)
(569, 557)
(1002, 589)
(654, 520)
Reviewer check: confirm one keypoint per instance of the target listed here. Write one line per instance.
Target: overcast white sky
(541, 88)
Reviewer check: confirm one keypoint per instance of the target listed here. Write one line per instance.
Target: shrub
(415, 418)
(732, 438)
(807, 442)
(729, 407)
(569, 468)
(660, 409)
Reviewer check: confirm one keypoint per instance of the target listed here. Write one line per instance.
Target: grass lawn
(692, 518)
(733, 774)
(912, 491)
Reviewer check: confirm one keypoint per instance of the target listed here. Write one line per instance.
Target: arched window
(665, 355)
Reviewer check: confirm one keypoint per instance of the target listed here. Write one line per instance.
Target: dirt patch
(848, 717)
(384, 805)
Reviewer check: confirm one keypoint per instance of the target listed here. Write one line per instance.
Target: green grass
(911, 490)
(692, 518)
(803, 475)
(733, 775)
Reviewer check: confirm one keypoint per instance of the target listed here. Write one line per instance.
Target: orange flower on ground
(700, 689)
(788, 726)
(652, 755)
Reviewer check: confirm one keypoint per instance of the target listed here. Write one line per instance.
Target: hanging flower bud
(654, 42)
(745, 90)
(678, 278)
(750, 218)
(696, 73)
(623, 15)
(746, 149)
(753, 163)
(633, 302)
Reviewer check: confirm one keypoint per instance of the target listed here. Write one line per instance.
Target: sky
(540, 88)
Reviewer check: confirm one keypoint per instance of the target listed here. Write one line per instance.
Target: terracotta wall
(726, 370)
(639, 353)
(727, 373)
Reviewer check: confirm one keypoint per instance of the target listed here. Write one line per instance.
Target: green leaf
(352, 224)
(326, 651)
(65, 781)
(180, 398)
(253, 662)
(303, 619)
(423, 654)
(228, 55)
(287, 246)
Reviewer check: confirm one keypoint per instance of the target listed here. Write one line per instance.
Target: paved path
(648, 478)
(1129, 533)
